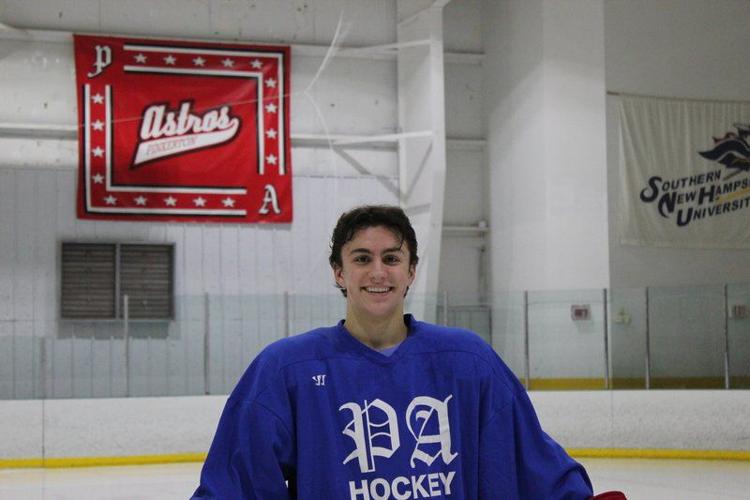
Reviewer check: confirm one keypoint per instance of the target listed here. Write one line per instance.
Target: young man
(382, 406)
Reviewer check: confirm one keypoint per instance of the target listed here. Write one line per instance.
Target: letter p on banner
(183, 131)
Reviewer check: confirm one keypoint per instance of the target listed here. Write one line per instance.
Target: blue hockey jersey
(322, 416)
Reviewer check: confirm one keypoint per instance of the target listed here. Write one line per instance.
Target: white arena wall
(709, 424)
(679, 49)
(534, 76)
(552, 74)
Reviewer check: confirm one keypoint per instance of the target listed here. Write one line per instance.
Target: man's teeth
(377, 290)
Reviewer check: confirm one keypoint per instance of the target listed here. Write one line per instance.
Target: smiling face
(375, 273)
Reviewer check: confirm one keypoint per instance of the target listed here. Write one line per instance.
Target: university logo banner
(183, 131)
(685, 172)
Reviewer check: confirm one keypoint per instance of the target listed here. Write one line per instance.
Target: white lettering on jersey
(377, 422)
(368, 424)
(426, 408)
(435, 484)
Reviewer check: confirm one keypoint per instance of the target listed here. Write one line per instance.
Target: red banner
(183, 131)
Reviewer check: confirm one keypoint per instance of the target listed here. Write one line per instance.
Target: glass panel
(738, 324)
(627, 338)
(687, 337)
(213, 338)
(424, 307)
(313, 311)
(565, 352)
(463, 311)
(6, 359)
(19, 356)
(508, 330)
(191, 331)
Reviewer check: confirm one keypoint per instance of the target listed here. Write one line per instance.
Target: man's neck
(377, 334)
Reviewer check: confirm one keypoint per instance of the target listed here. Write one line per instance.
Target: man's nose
(377, 270)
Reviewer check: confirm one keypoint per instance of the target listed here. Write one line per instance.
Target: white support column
(422, 160)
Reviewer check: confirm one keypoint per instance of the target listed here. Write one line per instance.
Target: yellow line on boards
(589, 384)
(63, 462)
(69, 462)
(15, 463)
(562, 384)
(659, 453)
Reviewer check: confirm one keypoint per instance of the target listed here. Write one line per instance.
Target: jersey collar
(353, 344)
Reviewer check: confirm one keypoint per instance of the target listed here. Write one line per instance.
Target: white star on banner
(228, 63)
(110, 200)
(140, 58)
(270, 108)
(170, 202)
(97, 98)
(98, 125)
(199, 61)
(170, 60)
(270, 82)
(140, 201)
(98, 178)
(228, 202)
(98, 152)
(200, 201)
(271, 133)
(271, 159)
(256, 64)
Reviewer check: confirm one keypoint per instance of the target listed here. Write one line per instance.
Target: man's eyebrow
(399, 248)
(387, 250)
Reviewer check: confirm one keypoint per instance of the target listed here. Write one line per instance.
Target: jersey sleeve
(517, 459)
(252, 455)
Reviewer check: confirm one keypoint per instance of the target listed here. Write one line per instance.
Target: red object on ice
(610, 495)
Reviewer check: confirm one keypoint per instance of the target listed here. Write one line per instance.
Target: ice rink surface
(639, 479)
(659, 479)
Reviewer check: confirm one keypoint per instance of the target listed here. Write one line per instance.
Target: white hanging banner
(685, 172)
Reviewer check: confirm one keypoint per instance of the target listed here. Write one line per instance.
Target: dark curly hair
(390, 217)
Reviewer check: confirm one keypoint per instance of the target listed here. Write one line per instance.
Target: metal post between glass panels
(126, 336)
(149, 372)
(112, 378)
(13, 362)
(445, 308)
(648, 343)
(43, 365)
(526, 355)
(206, 330)
(91, 365)
(52, 373)
(287, 329)
(607, 381)
(34, 364)
(727, 373)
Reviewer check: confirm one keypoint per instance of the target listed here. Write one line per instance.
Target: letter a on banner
(183, 131)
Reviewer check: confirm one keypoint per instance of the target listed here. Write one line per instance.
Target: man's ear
(337, 275)
(412, 273)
